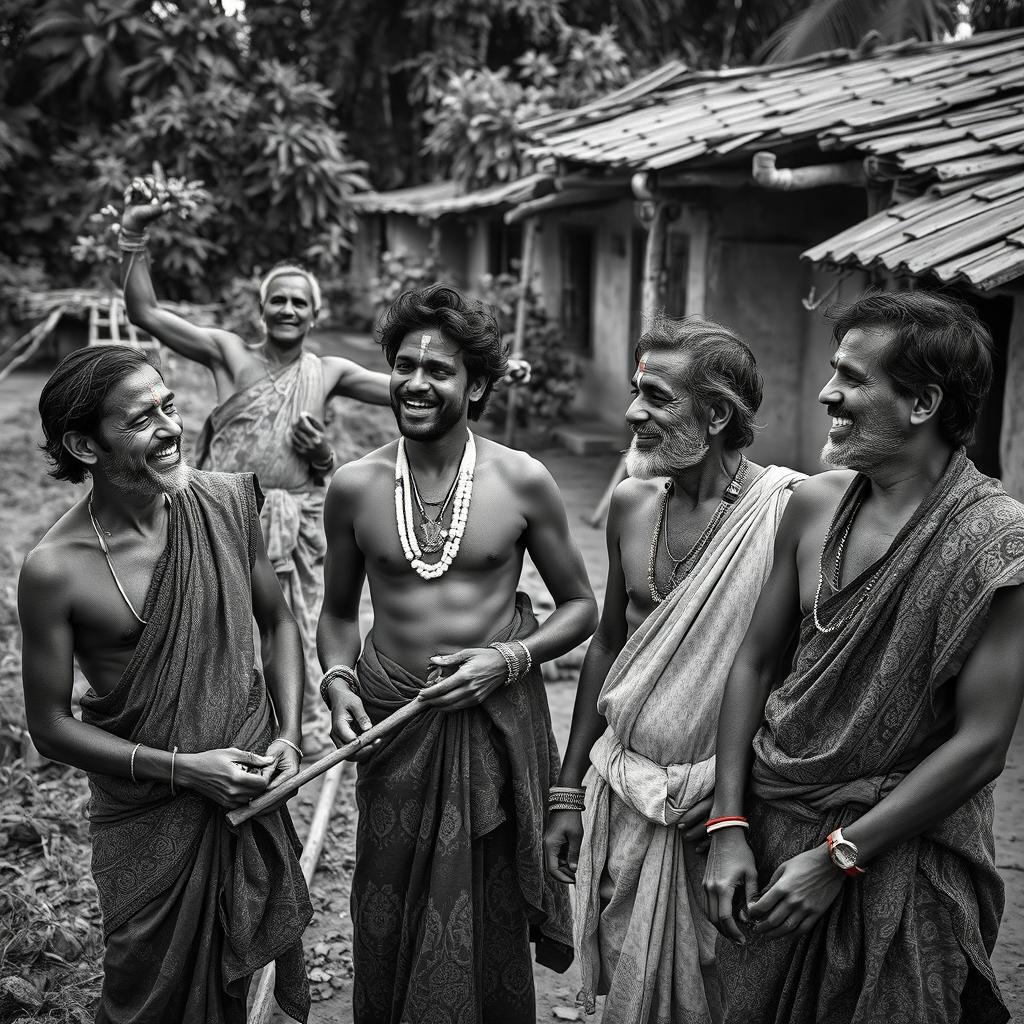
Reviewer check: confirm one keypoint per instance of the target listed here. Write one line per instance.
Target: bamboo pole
(264, 1002)
(519, 338)
(650, 302)
(268, 801)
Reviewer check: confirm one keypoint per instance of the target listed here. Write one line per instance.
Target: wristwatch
(843, 853)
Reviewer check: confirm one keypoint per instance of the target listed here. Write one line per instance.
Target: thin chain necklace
(431, 530)
(837, 569)
(106, 554)
(690, 559)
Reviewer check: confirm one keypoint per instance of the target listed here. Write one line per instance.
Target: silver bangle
(174, 753)
(131, 763)
(288, 743)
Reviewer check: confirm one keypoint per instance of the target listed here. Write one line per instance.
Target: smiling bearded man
(690, 539)
(151, 583)
(449, 886)
(865, 772)
(269, 419)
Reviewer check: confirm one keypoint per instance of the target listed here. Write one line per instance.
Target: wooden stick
(276, 797)
(264, 1003)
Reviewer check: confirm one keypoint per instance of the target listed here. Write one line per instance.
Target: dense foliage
(284, 110)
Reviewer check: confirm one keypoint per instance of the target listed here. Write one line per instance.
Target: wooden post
(519, 338)
(263, 1003)
(650, 303)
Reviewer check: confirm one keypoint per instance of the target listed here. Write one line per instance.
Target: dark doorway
(577, 287)
(996, 313)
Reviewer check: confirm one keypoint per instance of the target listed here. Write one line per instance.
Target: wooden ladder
(109, 325)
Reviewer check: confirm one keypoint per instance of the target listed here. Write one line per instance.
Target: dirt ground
(31, 503)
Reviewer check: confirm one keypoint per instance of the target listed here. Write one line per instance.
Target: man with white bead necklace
(449, 886)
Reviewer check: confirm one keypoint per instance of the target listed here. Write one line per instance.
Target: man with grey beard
(151, 583)
(864, 773)
(690, 537)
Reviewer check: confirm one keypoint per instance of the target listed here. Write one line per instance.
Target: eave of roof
(973, 236)
(442, 198)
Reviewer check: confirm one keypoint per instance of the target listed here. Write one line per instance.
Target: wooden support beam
(519, 338)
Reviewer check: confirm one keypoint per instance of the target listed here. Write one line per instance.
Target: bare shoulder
(633, 497)
(367, 469)
(520, 469)
(48, 566)
(819, 494)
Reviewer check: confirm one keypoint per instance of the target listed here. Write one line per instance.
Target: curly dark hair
(721, 369)
(935, 340)
(74, 398)
(468, 323)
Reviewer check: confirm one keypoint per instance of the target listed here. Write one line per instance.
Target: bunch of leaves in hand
(187, 199)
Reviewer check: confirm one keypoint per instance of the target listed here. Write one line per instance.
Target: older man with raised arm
(852, 868)
(449, 885)
(269, 420)
(690, 536)
(151, 583)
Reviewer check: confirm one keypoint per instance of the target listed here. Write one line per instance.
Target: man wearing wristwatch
(269, 420)
(852, 863)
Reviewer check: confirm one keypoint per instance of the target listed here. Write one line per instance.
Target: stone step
(590, 437)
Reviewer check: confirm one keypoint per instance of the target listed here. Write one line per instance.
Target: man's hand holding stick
(274, 798)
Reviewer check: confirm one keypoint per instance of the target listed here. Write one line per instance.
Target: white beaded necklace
(460, 511)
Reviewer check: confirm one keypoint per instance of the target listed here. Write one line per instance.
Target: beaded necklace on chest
(681, 567)
(460, 494)
(837, 570)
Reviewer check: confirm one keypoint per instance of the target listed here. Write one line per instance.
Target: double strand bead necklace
(729, 496)
(463, 493)
(837, 569)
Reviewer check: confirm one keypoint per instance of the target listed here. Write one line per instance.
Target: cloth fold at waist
(808, 801)
(661, 793)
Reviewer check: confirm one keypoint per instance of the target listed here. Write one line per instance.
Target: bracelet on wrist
(288, 743)
(131, 241)
(325, 466)
(345, 672)
(567, 798)
(725, 824)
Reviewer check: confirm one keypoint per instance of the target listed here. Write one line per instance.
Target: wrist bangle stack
(726, 821)
(288, 743)
(132, 241)
(518, 659)
(566, 798)
(338, 672)
(131, 762)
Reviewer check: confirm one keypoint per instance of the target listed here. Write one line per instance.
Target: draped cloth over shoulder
(190, 909)
(251, 432)
(863, 705)
(642, 935)
(449, 886)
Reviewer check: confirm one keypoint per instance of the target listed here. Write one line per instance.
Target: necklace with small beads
(836, 574)
(462, 495)
(681, 567)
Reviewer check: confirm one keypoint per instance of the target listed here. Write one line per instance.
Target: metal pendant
(432, 537)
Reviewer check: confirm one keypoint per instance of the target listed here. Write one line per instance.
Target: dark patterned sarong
(191, 909)
(449, 886)
(910, 940)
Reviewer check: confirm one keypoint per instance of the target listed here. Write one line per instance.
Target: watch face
(844, 855)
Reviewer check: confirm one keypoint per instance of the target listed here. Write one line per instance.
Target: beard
(683, 446)
(137, 477)
(873, 440)
(445, 417)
